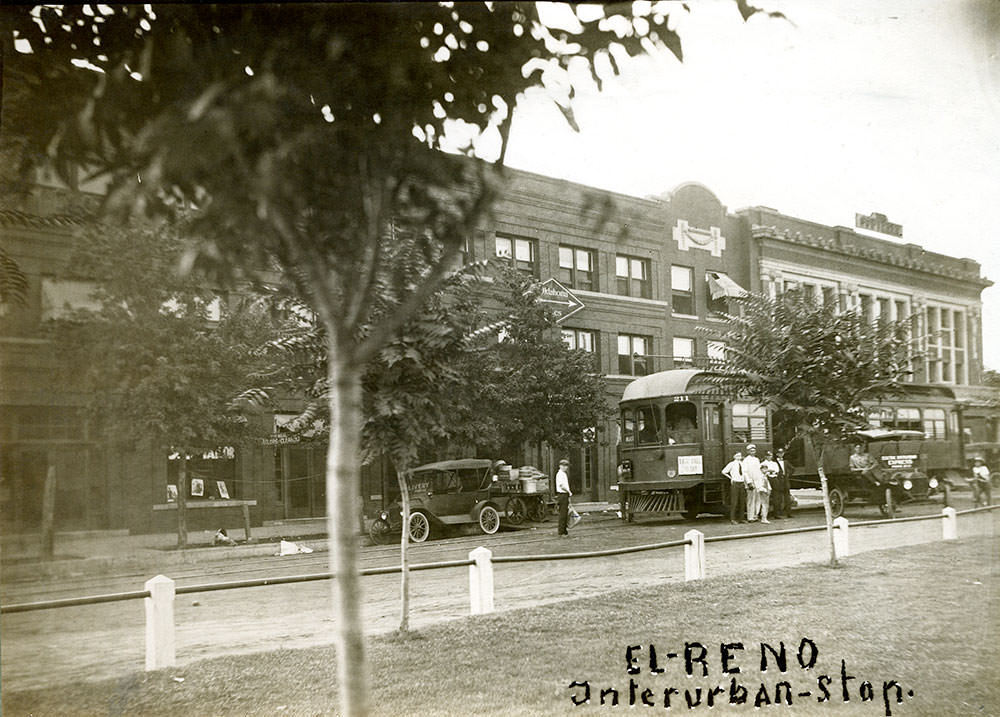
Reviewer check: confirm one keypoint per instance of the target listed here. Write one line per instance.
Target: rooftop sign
(878, 223)
(558, 298)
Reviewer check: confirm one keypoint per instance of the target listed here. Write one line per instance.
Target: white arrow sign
(564, 302)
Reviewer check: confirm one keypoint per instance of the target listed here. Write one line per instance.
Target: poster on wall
(171, 493)
(223, 490)
(197, 487)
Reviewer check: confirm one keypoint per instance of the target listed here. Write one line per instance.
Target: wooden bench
(197, 504)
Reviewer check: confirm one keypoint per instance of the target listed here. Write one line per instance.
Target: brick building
(652, 275)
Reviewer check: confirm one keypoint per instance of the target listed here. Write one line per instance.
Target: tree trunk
(49, 510)
(404, 579)
(343, 486)
(826, 503)
(182, 489)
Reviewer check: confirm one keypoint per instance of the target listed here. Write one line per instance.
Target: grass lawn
(924, 617)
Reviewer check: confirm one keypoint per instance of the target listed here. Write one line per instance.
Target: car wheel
(539, 510)
(420, 527)
(489, 519)
(692, 504)
(378, 531)
(516, 510)
(837, 500)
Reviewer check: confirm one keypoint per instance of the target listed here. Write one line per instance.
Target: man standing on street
(781, 497)
(755, 481)
(737, 492)
(562, 496)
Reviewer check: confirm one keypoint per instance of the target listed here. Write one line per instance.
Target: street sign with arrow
(558, 298)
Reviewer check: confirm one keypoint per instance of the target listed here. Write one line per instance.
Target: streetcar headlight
(933, 482)
(907, 484)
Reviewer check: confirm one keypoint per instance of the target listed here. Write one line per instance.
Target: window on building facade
(683, 352)
(958, 345)
(521, 252)
(946, 342)
(829, 296)
(884, 310)
(682, 290)
(582, 340)
(577, 268)
(866, 308)
(715, 297)
(632, 275)
(632, 352)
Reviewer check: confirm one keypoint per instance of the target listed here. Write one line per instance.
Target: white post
(694, 555)
(481, 581)
(949, 524)
(160, 650)
(841, 546)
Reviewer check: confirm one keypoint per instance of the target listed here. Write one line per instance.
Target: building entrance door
(304, 482)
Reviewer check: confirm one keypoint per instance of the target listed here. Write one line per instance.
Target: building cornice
(897, 256)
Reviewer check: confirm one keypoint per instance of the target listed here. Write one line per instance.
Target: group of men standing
(758, 487)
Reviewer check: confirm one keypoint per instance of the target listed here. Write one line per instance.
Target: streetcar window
(713, 422)
(749, 422)
(934, 423)
(908, 419)
(682, 423)
(628, 426)
(647, 425)
(880, 417)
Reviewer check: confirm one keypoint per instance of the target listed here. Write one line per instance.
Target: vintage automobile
(896, 461)
(443, 493)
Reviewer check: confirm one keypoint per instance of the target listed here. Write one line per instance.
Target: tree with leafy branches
(300, 132)
(161, 357)
(528, 387)
(814, 365)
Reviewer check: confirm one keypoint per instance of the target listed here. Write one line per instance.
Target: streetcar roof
(885, 434)
(456, 465)
(664, 383)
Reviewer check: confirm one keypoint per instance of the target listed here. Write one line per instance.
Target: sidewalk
(95, 552)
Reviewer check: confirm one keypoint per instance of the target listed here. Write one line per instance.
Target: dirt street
(107, 640)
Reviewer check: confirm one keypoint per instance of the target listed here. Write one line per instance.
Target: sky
(889, 106)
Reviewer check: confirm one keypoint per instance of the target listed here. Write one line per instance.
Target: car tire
(489, 519)
(419, 527)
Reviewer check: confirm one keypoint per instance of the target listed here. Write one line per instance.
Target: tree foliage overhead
(152, 358)
(816, 365)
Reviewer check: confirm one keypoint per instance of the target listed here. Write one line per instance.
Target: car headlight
(907, 484)
(933, 482)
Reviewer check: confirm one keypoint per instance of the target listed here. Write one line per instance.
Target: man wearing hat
(562, 496)
(982, 488)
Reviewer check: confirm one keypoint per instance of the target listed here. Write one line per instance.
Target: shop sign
(878, 223)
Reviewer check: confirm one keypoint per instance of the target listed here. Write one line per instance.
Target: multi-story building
(652, 275)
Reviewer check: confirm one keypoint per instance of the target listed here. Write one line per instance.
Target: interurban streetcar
(677, 433)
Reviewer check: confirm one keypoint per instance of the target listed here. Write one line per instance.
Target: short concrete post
(841, 546)
(481, 581)
(949, 524)
(160, 645)
(694, 555)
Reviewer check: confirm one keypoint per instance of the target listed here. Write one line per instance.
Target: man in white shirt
(755, 483)
(737, 490)
(563, 494)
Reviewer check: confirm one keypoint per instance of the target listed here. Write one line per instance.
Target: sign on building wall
(878, 223)
(558, 298)
(689, 237)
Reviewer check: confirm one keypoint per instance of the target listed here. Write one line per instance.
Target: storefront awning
(721, 285)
